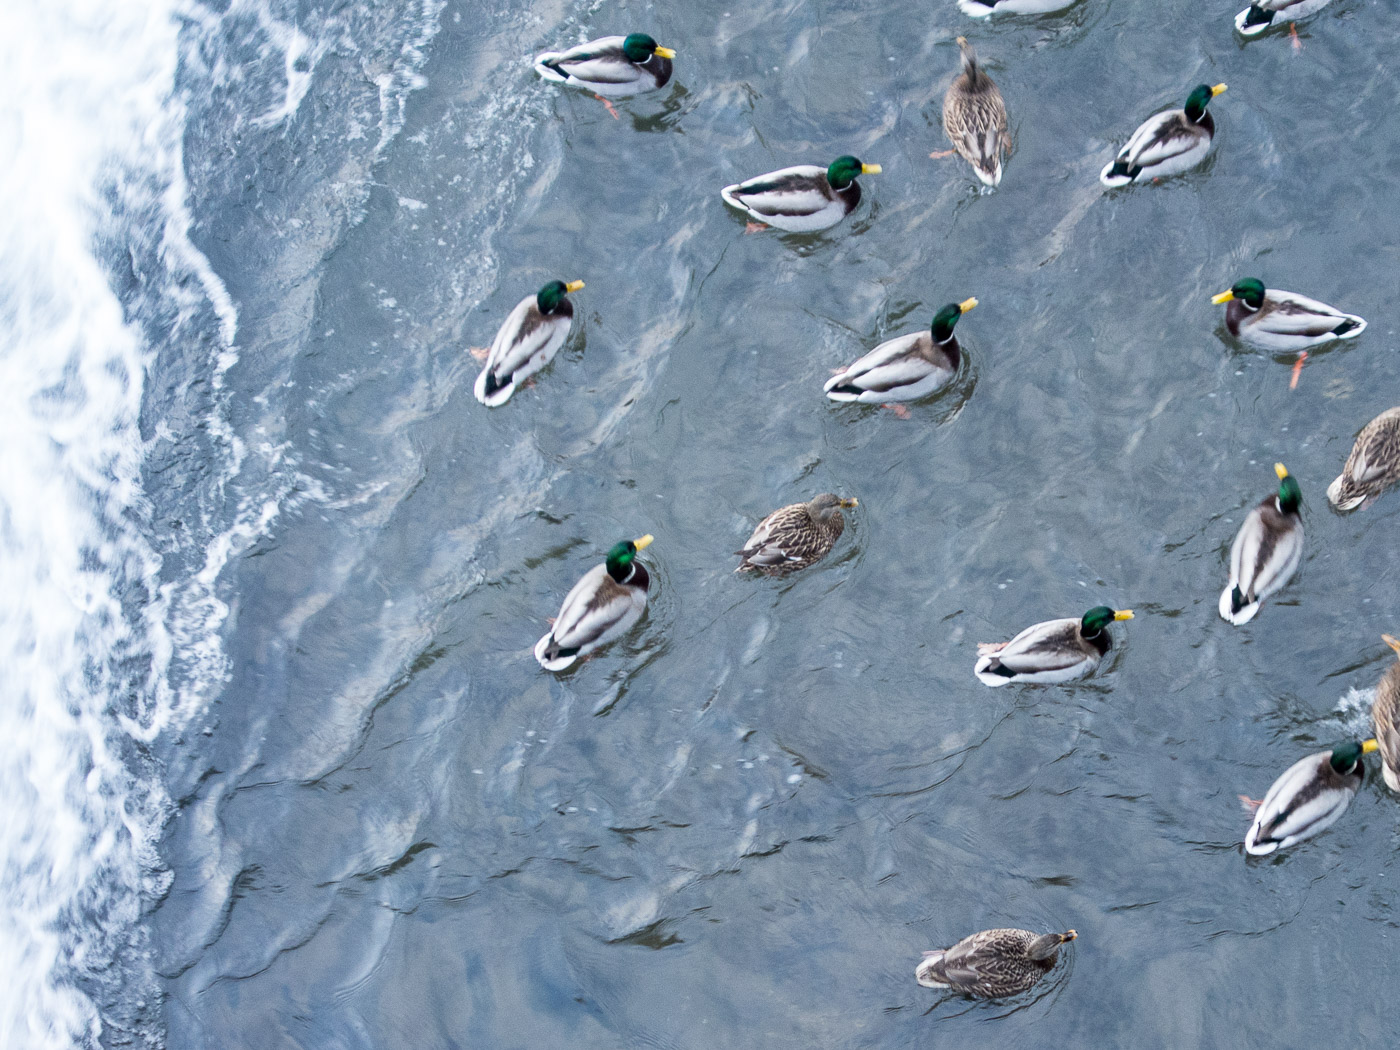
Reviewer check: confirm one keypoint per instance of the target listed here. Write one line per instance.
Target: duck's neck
(1044, 947)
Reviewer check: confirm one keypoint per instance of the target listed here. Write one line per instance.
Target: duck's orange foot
(898, 410)
(479, 352)
(755, 227)
(941, 154)
(1297, 370)
(1293, 36)
(1250, 804)
(611, 108)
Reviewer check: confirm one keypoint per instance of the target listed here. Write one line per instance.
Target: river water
(281, 770)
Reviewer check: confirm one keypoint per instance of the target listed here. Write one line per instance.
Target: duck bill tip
(1223, 297)
(643, 542)
(967, 304)
(1281, 471)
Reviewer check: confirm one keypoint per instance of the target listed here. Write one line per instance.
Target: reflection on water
(745, 820)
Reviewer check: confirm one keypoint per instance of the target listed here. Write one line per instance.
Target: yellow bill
(666, 52)
(1123, 614)
(850, 501)
(1367, 746)
(642, 543)
(573, 286)
(871, 169)
(1281, 471)
(967, 304)
(1219, 89)
(1223, 297)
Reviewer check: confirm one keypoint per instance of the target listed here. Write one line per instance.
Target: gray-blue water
(358, 814)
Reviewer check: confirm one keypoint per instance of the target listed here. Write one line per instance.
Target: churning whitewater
(93, 185)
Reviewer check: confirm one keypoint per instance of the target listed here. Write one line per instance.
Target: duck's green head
(551, 295)
(1249, 290)
(946, 318)
(1199, 99)
(1099, 617)
(1290, 496)
(621, 556)
(842, 171)
(1346, 756)
(638, 47)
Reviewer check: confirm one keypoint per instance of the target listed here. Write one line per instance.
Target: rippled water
(743, 823)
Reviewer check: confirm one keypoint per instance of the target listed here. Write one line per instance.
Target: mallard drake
(1276, 320)
(601, 608)
(1257, 17)
(612, 66)
(1385, 714)
(529, 339)
(983, 8)
(795, 536)
(974, 118)
(905, 368)
(804, 198)
(1308, 798)
(993, 963)
(1373, 466)
(1050, 652)
(1266, 551)
(1166, 143)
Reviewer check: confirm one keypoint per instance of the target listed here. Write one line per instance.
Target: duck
(1167, 143)
(1266, 551)
(611, 66)
(1308, 799)
(1260, 15)
(993, 963)
(795, 536)
(1372, 467)
(527, 341)
(905, 368)
(1280, 321)
(804, 198)
(1051, 652)
(1385, 714)
(974, 118)
(985, 8)
(607, 600)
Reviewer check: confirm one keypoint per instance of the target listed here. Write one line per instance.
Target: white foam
(90, 170)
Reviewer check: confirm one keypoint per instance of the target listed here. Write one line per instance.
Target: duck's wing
(1049, 646)
(976, 123)
(597, 605)
(1160, 138)
(896, 363)
(525, 333)
(782, 538)
(600, 61)
(1289, 313)
(1266, 550)
(800, 190)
